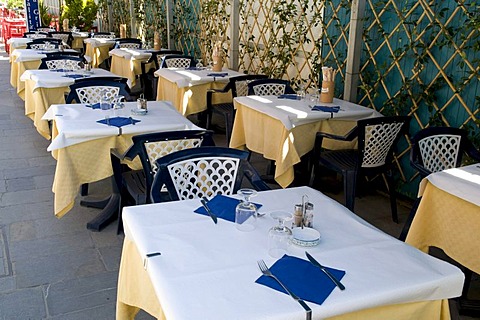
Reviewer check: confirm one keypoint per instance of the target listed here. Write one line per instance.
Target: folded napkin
(93, 106)
(218, 74)
(118, 121)
(74, 76)
(223, 207)
(289, 96)
(302, 278)
(58, 70)
(334, 109)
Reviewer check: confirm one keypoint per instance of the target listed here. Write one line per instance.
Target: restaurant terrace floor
(57, 269)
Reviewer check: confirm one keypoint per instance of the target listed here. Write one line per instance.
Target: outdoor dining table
(284, 129)
(127, 62)
(22, 60)
(177, 264)
(46, 87)
(81, 145)
(21, 43)
(187, 88)
(448, 216)
(97, 49)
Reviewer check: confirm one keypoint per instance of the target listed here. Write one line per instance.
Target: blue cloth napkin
(302, 278)
(218, 74)
(118, 121)
(223, 207)
(73, 76)
(333, 109)
(289, 96)
(93, 106)
(58, 70)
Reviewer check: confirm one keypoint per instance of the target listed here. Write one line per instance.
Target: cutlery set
(266, 271)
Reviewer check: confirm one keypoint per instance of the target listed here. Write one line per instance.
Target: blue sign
(32, 14)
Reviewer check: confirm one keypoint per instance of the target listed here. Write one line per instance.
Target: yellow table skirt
(135, 291)
(190, 100)
(449, 223)
(37, 102)
(17, 69)
(81, 163)
(268, 136)
(98, 54)
(129, 69)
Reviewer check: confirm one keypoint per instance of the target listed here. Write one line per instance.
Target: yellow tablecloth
(135, 292)
(37, 102)
(127, 68)
(97, 53)
(190, 100)
(84, 163)
(449, 223)
(268, 136)
(17, 69)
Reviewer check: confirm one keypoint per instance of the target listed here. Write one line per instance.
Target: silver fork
(263, 267)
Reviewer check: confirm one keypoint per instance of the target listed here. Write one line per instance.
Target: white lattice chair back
(379, 138)
(440, 152)
(36, 35)
(43, 29)
(269, 89)
(207, 176)
(158, 149)
(104, 36)
(242, 87)
(37, 46)
(129, 45)
(94, 94)
(177, 63)
(63, 37)
(63, 64)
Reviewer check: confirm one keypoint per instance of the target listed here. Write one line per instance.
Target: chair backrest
(35, 34)
(66, 37)
(103, 35)
(177, 61)
(62, 62)
(239, 84)
(152, 146)
(157, 56)
(377, 138)
(39, 43)
(90, 90)
(64, 54)
(270, 87)
(45, 29)
(130, 43)
(439, 148)
(205, 171)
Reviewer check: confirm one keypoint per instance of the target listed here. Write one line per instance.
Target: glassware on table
(246, 212)
(314, 98)
(118, 105)
(301, 91)
(279, 236)
(105, 105)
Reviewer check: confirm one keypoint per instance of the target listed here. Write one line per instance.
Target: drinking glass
(246, 212)
(279, 236)
(118, 105)
(301, 91)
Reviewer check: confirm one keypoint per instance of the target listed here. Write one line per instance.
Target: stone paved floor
(55, 268)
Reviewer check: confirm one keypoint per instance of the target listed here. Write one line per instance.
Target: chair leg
(409, 221)
(84, 190)
(228, 126)
(349, 186)
(393, 196)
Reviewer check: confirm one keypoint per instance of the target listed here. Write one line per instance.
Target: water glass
(279, 236)
(246, 212)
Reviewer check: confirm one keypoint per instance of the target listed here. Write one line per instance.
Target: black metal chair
(62, 62)
(35, 34)
(377, 138)
(238, 86)
(204, 171)
(90, 90)
(148, 80)
(69, 53)
(39, 43)
(131, 43)
(134, 185)
(177, 61)
(435, 149)
(266, 87)
(66, 37)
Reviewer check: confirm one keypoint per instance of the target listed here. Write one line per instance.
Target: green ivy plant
(80, 13)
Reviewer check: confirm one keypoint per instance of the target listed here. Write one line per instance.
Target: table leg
(108, 214)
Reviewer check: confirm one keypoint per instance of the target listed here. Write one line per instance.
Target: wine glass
(246, 212)
(118, 104)
(301, 91)
(279, 236)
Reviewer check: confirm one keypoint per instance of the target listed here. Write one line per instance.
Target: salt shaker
(298, 215)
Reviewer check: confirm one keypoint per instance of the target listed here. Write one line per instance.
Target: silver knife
(210, 213)
(325, 270)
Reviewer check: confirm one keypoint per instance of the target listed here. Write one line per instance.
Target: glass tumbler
(246, 212)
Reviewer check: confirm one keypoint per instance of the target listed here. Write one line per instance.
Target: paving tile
(57, 267)
(20, 184)
(14, 163)
(84, 294)
(111, 257)
(43, 181)
(29, 196)
(23, 304)
(7, 284)
(30, 172)
(104, 312)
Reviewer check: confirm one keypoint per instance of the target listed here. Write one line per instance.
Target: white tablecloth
(208, 271)
(297, 112)
(99, 42)
(77, 123)
(21, 55)
(185, 78)
(131, 54)
(53, 79)
(462, 182)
